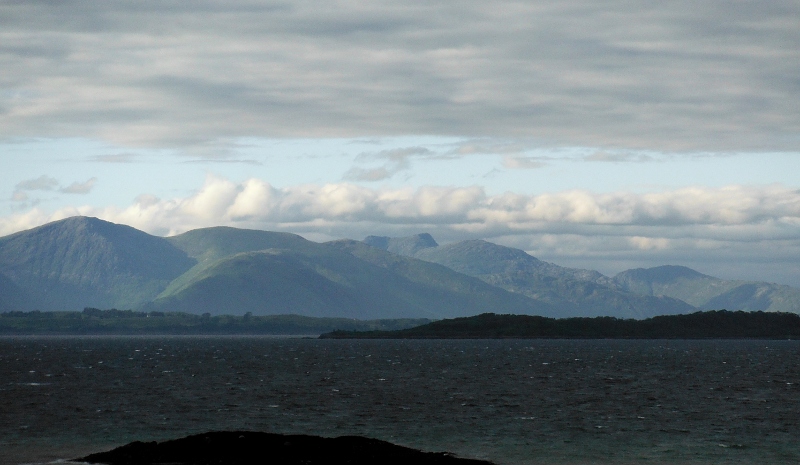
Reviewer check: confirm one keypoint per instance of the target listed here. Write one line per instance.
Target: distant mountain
(336, 279)
(80, 261)
(570, 292)
(707, 292)
(86, 262)
(407, 246)
(207, 245)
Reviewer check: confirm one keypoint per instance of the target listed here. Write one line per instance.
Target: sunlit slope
(708, 292)
(79, 262)
(207, 245)
(327, 281)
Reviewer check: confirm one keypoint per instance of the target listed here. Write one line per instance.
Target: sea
(507, 401)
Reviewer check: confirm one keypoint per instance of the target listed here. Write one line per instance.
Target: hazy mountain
(80, 261)
(707, 292)
(331, 280)
(570, 291)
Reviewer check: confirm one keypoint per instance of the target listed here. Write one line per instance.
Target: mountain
(707, 292)
(407, 246)
(207, 245)
(571, 292)
(12, 297)
(336, 279)
(86, 262)
(79, 262)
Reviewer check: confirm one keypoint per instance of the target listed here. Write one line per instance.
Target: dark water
(512, 402)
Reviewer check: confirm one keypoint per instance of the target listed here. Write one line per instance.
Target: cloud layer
(624, 74)
(745, 225)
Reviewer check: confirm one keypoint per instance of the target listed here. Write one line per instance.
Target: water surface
(509, 401)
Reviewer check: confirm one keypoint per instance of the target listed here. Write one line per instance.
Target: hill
(333, 280)
(707, 292)
(207, 245)
(80, 261)
(700, 325)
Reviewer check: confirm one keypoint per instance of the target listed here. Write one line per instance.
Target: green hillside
(329, 281)
(207, 245)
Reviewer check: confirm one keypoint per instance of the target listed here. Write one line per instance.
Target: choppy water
(509, 401)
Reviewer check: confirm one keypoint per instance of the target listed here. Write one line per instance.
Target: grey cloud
(362, 174)
(42, 183)
(115, 158)
(667, 77)
(225, 160)
(19, 196)
(47, 183)
(80, 187)
(522, 162)
(618, 157)
(394, 161)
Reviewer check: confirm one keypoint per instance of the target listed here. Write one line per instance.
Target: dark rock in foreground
(245, 448)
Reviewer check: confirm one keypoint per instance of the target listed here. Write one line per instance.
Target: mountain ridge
(87, 262)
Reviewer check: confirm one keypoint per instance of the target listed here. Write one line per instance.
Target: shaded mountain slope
(707, 292)
(570, 292)
(12, 297)
(80, 261)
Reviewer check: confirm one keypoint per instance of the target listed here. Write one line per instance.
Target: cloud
(49, 184)
(629, 75)
(79, 187)
(42, 183)
(714, 229)
(619, 157)
(393, 161)
(115, 158)
(523, 162)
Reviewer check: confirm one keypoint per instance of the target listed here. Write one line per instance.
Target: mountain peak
(408, 245)
(661, 274)
(84, 261)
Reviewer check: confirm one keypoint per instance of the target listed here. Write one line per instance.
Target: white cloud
(713, 228)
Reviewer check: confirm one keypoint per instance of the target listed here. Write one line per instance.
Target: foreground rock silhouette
(246, 447)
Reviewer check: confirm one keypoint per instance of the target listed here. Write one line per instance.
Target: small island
(718, 324)
(248, 448)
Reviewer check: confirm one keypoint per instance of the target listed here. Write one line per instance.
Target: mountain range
(86, 262)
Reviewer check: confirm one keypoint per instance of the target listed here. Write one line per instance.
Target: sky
(605, 135)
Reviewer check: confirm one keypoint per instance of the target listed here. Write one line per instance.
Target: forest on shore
(93, 321)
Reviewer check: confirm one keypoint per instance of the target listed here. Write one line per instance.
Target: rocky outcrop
(246, 448)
